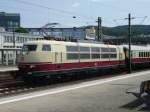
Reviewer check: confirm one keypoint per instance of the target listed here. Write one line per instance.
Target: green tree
(21, 30)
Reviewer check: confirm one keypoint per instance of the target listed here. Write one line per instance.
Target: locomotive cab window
(28, 48)
(46, 48)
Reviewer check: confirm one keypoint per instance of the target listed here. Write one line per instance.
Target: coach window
(46, 48)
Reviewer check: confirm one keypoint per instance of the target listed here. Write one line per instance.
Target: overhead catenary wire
(53, 9)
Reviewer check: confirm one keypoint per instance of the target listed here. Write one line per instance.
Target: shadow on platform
(140, 104)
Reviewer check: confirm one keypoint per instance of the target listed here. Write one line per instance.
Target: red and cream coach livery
(49, 57)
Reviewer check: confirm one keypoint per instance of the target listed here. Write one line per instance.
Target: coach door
(126, 52)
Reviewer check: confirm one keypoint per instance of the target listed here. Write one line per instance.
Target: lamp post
(74, 28)
(14, 38)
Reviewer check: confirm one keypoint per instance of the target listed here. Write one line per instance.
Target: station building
(78, 33)
(11, 44)
(9, 20)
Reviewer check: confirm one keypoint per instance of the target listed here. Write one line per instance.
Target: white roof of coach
(69, 43)
(139, 48)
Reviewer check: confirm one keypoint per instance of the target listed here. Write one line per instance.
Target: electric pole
(99, 29)
(129, 39)
(129, 43)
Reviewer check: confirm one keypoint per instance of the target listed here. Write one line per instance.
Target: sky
(74, 13)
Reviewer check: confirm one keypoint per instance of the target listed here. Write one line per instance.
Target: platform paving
(8, 68)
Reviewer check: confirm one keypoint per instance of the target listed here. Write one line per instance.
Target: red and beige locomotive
(48, 58)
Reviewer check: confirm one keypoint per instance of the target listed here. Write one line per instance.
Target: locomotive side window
(84, 52)
(104, 49)
(72, 56)
(108, 53)
(113, 55)
(95, 49)
(28, 48)
(85, 56)
(72, 49)
(72, 52)
(104, 56)
(139, 54)
(95, 52)
(113, 50)
(46, 48)
(84, 49)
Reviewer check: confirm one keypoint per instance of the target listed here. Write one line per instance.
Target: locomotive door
(58, 55)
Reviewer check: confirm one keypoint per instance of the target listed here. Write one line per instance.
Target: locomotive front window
(28, 48)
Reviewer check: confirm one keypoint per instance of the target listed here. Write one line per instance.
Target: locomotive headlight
(32, 66)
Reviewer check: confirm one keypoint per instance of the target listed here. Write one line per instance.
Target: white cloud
(76, 4)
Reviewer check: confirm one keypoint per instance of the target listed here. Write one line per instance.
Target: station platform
(8, 68)
(99, 95)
